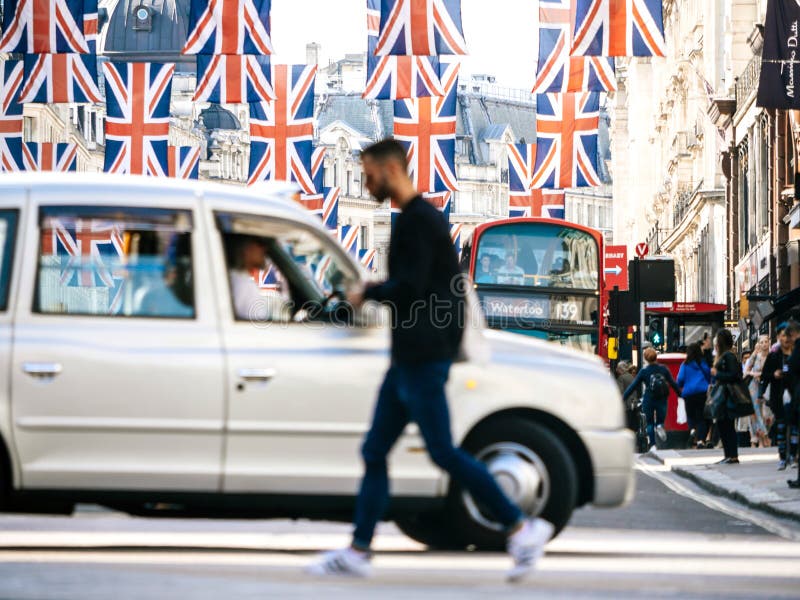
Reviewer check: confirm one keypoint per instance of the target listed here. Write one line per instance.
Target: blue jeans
(655, 412)
(415, 392)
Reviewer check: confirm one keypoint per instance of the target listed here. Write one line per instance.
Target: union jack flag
(44, 27)
(367, 259)
(557, 71)
(349, 236)
(536, 203)
(281, 131)
(183, 162)
(11, 76)
(521, 161)
(420, 28)
(53, 78)
(48, 156)
(566, 140)
(618, 28)
(427, 128)
(455, 236)
(397, 77)
(88, 253)
(267, 279)
(91, 24)
(442, 200)
(318, 167)
(11, 154)
(324, 204)
(229, 27)
(233, 79)
(137, 117)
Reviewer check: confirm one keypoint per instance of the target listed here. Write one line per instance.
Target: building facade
(760, 162)
(669, 186)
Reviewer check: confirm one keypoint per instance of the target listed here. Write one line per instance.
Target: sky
(500, 34)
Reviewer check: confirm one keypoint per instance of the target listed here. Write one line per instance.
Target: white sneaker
(345, 562)
(526, 547)
(661, 433)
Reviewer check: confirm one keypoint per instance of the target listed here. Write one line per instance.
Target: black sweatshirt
(424, 288)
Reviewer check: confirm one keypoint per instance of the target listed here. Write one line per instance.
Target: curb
(721, 490)
(721, 484)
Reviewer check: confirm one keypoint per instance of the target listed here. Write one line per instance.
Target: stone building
(760, 161)
(669, 187)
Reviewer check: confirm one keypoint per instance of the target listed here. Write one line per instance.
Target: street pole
(641, 334)
(637, 297)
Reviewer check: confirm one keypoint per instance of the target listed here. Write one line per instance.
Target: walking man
(427, 325)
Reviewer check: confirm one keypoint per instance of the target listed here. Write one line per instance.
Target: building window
(744, 204)
(762, 180)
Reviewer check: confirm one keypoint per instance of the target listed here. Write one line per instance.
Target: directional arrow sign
(616, 267)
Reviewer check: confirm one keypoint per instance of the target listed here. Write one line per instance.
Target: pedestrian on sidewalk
(727, 370)
(656, 380)
(694, 377)
(792, 409)
(774, 388)
(427, 327)
(753, 369)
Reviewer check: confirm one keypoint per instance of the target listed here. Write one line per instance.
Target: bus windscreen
(537, 255)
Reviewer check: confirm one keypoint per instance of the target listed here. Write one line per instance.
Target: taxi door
(108, 395)
(302, 391)
(11, 207)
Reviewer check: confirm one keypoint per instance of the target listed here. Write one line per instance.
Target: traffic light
(654, 331)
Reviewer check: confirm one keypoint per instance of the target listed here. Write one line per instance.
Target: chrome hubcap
(520, 473)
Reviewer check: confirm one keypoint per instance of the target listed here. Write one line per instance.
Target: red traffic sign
(642, 250)
(616, 267)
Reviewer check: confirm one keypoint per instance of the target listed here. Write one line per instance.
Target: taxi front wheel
(532, 466)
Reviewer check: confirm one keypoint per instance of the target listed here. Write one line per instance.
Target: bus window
(546, 255)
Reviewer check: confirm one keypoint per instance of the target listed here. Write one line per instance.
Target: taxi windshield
(537, 255)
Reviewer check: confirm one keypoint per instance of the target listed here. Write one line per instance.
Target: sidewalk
(755, 482)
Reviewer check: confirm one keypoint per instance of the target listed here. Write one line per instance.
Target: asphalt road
(664, 545)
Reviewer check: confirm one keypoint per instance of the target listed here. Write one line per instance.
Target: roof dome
(152, 30)
(217, 117)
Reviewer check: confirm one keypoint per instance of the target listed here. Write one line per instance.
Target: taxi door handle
(43, 370)
(257, 374)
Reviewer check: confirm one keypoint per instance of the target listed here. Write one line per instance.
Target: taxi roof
(268, 198)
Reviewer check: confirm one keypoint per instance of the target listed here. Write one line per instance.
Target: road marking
(673, 482)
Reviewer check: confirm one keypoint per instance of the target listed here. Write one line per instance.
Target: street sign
(616, 267)
(642, 250)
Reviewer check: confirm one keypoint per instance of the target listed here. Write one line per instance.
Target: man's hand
(778, 374)
(355, 297)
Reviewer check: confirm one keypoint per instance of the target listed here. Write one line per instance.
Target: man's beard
(382, 193)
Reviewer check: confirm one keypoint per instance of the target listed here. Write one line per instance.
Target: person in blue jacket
(655, 378)
(694, 377)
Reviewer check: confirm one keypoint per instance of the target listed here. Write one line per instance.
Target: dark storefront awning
(786, 306)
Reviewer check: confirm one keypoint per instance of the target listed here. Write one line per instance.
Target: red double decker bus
(540, 277)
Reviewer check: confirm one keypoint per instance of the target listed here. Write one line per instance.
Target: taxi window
(8, 230)
(115, 262)
(276, 267)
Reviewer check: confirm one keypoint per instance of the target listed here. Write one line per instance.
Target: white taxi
(132, 381)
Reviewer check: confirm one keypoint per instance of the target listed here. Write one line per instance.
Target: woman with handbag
(694, 377)
(725, 371)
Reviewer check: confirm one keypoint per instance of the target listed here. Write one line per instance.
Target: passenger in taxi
(248, 254)
(169, 292)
